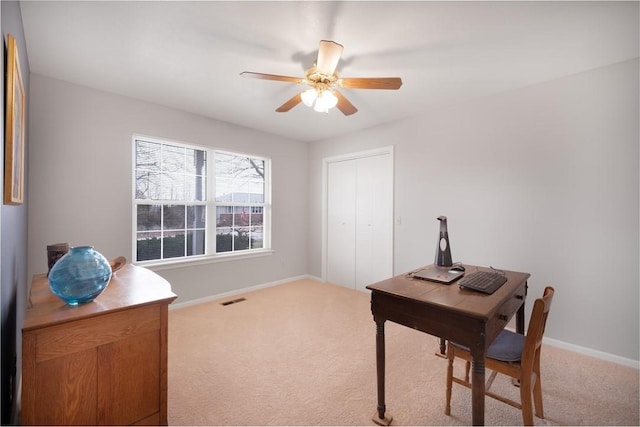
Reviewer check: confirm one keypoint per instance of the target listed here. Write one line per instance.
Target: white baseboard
(588, 351)
(550, 341)
(238, 291)
(593, 353)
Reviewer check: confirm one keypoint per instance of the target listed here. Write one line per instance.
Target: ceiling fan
(323, 80)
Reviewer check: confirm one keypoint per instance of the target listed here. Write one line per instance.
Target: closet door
(341, 223)
(374, 220)
(360, 220)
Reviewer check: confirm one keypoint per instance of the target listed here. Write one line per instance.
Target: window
(195, 202)
(240, 190)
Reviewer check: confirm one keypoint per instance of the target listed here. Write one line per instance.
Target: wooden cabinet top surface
(130, 286)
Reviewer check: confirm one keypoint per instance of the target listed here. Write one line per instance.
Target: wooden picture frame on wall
(14, 128)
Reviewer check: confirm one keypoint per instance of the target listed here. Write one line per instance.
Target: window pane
(223, 239)
(148, 156)
(224, 216)
(195, 242)
(249, 168)
(149, 217)
(256, 192)
(257, 240)
(172, 187)
(239, 179)
(173, 160)
(196, 162)
(257, 218)
(223, 189)
(147, 185)
(241, 215)
(196, 188)
(174, 217)
(196, 216)
(173, 245)
(147, 246)
(240, 238)
(224, 164)
(240, 191)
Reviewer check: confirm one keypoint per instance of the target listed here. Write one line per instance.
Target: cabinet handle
(519, 296)
(503, 317)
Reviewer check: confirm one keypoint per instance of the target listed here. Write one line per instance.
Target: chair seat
(507, 347)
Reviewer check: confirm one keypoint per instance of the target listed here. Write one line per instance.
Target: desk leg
(379, 417)
(477, 389)
(520, 325)
(520, 322)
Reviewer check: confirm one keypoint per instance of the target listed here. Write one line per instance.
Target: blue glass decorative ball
(80, 275)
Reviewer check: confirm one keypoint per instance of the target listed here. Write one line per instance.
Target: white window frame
(211, 205)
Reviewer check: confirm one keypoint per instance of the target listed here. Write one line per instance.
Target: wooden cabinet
(100, 363)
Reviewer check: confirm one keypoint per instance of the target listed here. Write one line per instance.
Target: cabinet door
(65, 390)
(129, 379)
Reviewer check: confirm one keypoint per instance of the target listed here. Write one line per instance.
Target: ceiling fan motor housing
(320, 82)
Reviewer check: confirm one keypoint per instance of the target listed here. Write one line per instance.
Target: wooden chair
(512, 354)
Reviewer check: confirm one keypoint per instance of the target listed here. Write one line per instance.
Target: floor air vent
(233, 301)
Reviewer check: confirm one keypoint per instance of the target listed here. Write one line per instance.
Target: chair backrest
(537, 324)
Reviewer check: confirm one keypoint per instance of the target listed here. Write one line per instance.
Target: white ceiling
(188, 55)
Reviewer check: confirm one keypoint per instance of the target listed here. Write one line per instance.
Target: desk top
(130, 286)
(451, 297)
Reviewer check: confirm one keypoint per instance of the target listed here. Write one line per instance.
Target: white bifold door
(359, 206)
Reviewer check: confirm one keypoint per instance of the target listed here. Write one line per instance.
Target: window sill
(208, 259)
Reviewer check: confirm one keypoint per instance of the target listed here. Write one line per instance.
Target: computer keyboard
(483, 281)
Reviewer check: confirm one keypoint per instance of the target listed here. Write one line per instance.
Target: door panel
(129, 379)
(374, 220)
(341, 227)
(72, 401)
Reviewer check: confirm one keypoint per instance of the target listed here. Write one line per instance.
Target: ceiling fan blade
(295, 100)
(328, 57)
(371, 82)
(344, 104)
(272, 77)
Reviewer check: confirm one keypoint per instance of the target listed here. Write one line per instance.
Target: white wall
(80, 170)
(542, 179)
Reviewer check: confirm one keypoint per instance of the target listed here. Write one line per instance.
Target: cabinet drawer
(93, 332)
(506, 311)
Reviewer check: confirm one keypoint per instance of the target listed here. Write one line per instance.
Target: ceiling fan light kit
(322, 102)
(323, 79)
(309, 96)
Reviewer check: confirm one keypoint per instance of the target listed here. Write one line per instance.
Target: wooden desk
(446, 311)
(100, 363)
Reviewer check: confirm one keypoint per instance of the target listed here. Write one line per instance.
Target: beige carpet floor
(303, 353)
